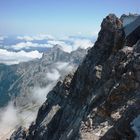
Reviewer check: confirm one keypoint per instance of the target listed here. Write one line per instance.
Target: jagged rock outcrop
(100, 100)
(20, 134)
(56, 54)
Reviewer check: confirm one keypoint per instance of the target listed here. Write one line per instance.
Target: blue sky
(59, 17)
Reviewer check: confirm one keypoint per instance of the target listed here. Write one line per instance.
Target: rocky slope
(5, 81)
(17, 81)
(132, 31)
(101, 100)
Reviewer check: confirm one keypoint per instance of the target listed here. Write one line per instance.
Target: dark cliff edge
(100, 100)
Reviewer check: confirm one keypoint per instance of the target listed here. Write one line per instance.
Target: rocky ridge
(100, 100)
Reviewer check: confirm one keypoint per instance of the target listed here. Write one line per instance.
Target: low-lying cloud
(67, 44)
(12, 57)
(60, 69)
(53, 75)
(12, 117)
(8, 120)
(64, 46)
(27, 45)
(71, 44)
(2, 38)
(82, 43)
(37, 37)
(9, 57)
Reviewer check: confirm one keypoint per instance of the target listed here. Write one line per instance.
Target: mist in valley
(12, 117)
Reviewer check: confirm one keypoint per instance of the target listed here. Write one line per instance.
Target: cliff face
(127, 19)
(100, 100)
(7, 76)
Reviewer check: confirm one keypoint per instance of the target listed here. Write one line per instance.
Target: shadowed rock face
(132, 32)
(133, 37)
(127, 19)
(98, 101)
(7, 76)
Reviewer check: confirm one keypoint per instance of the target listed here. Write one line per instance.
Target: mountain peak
(101, 99)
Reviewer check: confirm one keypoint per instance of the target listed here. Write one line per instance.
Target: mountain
(101, 100)
(18, 81)
(131, 25)
(7, 77)
(127, 19)
(132, 31)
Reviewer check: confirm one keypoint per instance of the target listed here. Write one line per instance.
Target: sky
(59, 17)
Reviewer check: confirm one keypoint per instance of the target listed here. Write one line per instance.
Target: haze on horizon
(59, 17)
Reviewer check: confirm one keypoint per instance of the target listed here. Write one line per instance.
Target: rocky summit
(101, 100)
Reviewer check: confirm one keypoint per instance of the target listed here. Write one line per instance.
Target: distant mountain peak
(129, 18)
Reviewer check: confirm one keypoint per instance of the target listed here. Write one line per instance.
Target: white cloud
(74, 43)
(38, 94)
(53, 75)
(2, 38)
(12, 117)
(67, 47)
(82, 43)
(37, 37)
(64, 46)
(62, 65)
(9, 57)
(27, 45)
(66, 67)
(8, 120)
(67, 44)
(95, 33)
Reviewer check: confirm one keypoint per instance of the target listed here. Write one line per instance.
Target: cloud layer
(37, 37)
(12, 117)
(2, 37)
(67, 43)
(36, 44)
(9, 57)
(28, 45)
